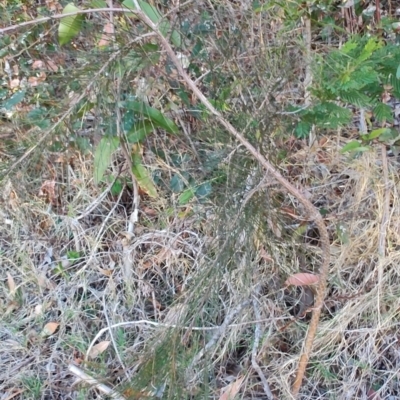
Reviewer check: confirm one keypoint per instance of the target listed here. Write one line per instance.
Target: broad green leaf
(4, 51)
(176, 183)
(390, 135)
(158, 118)
(185, 197)
(144, 179)
(116, 188)
(204, 190)
(139, 132)
(103, 154)
(37, 117)
(128, 120)
(351, 146)
(156, 18)
(14, 100)
(374, 134)
(98, 4)
(69, 26)
(142, 175)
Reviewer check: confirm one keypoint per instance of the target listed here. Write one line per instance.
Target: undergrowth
(187, 300)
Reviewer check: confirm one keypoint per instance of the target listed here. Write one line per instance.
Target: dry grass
(194, 301)
(170, 275)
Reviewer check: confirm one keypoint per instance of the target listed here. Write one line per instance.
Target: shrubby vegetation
(142, 245)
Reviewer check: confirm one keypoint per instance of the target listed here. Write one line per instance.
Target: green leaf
(351, 146)
(374, 134)
(369, 49)
(355, 97)
(158, 118)
(98, 4)
(69, 26)
(37, 117)
(4, 51)
(73, 255)
(186, 196)
(398, 72)
(117, 187)
(128, 120)
(139, 132)
(204, 190)
(390, 135)
(383, 112)
(103, 155)
(302, 129)
(156, 17)
(14, 100)
(176, 183)
(348, 47)
(144, 179)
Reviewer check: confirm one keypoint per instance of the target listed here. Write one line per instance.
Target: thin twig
(386, 205)
(217, 335)
(257, 334)
(45, 135)
(383, 225)
(59, 16)
(94, 382)
(97, 239)
(173, 326)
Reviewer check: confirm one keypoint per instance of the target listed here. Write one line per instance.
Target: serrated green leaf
(139, 132)
(351, 146)
(14, 100)
(69, 26)
(156, 18)
(157, 117)
(103, 155)
(185, 197)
